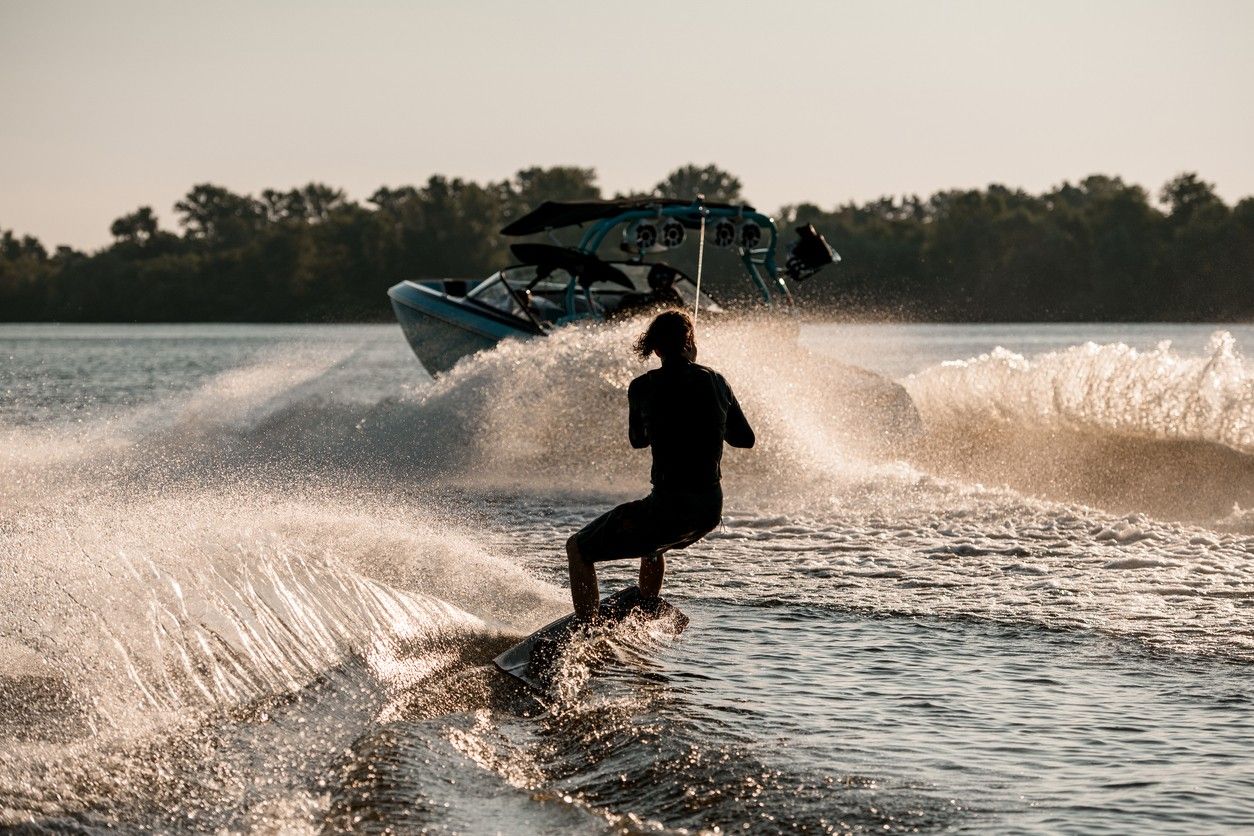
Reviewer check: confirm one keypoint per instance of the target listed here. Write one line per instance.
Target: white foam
(553, 411)
(1109, 388)
(163, 608)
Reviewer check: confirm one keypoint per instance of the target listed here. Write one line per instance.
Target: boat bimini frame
(654, 225)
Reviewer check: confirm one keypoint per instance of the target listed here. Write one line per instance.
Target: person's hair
(670, 334)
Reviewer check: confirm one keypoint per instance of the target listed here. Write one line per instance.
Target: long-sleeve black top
(685, 412)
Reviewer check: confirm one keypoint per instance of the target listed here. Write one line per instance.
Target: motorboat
(555, 284)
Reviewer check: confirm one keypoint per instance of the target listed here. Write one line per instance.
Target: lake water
(973, 578)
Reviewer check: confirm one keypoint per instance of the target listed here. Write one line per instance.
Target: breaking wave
(1128, 430)
(212, 602)
(1114, 389)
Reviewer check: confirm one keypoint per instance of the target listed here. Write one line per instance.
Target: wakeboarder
(684, 412)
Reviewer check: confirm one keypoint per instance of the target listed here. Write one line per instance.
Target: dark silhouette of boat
(554, 285)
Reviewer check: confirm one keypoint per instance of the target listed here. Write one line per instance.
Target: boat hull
(442, 328)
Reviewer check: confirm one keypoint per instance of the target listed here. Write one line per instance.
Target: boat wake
(1126, 430)
(189, 620)
(269, 601)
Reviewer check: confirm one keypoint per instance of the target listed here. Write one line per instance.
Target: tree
(1185, 195)
(26, 276)
(311, 203)
(13, 248)
(686, 182)
(392, 201)
(65, 254)
(136, 228)
(532, 186)
(321, 200)
(214, 214)
(282, 206)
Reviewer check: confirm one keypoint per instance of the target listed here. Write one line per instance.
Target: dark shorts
(650, 526)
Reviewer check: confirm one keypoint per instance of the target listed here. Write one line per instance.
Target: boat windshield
(517, 292)
(510, 289)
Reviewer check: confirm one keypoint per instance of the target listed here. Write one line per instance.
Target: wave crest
(1109, 388)
(1111, 425)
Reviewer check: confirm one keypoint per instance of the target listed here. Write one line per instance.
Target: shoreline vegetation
(1097, 250)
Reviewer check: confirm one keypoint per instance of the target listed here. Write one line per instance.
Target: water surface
(253, 576)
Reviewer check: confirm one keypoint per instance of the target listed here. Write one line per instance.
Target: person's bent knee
(572, 549)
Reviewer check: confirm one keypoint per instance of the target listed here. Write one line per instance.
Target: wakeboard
(532, 660)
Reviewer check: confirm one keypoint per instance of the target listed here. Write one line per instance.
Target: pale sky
(106, 106)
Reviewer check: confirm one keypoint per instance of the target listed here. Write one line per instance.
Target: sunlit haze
(109, 106)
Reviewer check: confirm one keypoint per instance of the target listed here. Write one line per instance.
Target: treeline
(1094, 250)
(1097, 250)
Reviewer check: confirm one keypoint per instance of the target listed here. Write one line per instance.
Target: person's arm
(739, 433)
(637, 428)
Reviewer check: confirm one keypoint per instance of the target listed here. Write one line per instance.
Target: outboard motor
(810, 254)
